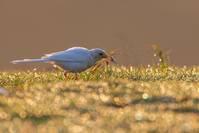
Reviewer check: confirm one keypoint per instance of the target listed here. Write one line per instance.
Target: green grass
(141, 99)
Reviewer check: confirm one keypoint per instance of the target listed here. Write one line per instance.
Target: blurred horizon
(30, 29)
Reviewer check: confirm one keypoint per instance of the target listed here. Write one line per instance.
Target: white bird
(74, 60)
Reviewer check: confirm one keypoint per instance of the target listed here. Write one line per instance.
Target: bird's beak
(106, 56)
(110, 58)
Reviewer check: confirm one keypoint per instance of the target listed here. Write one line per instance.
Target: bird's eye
(100, 54)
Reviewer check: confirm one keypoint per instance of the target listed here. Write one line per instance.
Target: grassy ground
(119, 99)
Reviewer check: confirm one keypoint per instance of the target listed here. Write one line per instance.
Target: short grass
(114, 99)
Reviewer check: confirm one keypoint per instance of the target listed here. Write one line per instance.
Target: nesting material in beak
(113, 60)
(109, 59)
(104, 62)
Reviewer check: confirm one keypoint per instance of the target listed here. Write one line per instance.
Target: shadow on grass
(114, 105)
(70, 90)
(149, 101)
(39, 120)
(188, 109)
(161, 100)
(155, 100)
(185, 110)
(36, 120)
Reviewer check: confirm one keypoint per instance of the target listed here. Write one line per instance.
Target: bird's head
(99, 54)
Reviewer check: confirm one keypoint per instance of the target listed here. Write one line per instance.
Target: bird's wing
(70, 55)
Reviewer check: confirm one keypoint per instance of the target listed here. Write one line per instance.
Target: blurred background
(29, 29)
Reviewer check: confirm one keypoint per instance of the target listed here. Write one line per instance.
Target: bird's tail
(29, 61)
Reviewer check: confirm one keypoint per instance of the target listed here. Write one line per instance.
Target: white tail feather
(29, 61)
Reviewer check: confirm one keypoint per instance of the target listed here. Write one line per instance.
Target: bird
(72, 60)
